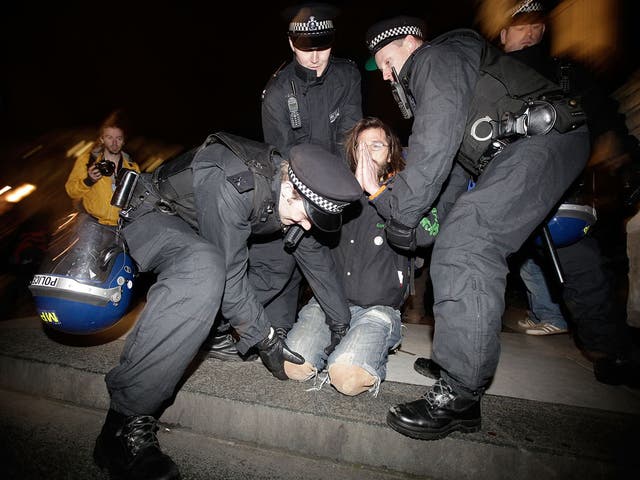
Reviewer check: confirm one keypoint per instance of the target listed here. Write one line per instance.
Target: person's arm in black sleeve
(442, 82)
(428, 227)
(318, 267)
(351, 110)
(228, 227)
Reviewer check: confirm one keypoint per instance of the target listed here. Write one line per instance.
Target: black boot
(222, 346)
(440, 412)
(617, 371)
(427, 367)
(129, 449)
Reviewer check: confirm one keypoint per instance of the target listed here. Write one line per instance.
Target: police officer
(190, 223)
(315, 98)
(587, 291)
(469, 103)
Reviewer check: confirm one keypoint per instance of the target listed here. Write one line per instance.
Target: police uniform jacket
(329, 105)
(230, 219)
(96, 197)
(372, 272)
(454, 81)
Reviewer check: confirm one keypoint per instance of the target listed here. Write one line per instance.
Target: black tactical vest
(504, 85)
(174, 180)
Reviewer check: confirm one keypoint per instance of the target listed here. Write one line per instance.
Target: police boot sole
(463, 426)
(235, 357)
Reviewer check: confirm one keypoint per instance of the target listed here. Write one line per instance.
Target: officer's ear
(503, 35)
(287, 191)
(293, 49)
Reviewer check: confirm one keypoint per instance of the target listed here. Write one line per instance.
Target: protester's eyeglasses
(376, 146)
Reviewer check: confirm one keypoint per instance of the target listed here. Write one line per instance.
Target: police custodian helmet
(325, 182)
(311, 25)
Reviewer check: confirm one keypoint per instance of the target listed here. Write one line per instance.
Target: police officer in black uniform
(587, 291)
(315, 98)
(470, 103)
(190, 223)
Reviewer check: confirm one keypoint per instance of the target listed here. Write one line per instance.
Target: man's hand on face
(367, 170)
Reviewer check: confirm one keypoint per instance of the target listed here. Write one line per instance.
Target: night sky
(181, 70)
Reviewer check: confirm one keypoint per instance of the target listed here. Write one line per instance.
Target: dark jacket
(372, 272)
(329, 105)
(228, 222)
(456, 81)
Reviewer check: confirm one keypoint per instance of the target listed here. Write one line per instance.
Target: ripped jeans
(373, 332)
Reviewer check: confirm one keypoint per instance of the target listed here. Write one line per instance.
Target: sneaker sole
(541, 332)
(463, 426)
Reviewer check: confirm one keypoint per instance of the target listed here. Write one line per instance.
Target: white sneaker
(545, 329)
(526, 322)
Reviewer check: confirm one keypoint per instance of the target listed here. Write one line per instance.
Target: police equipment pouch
(570, 114)
(126, 184)
(537, 117)
(400, 96)
(292, 237)
(294, 109)
(400, 235)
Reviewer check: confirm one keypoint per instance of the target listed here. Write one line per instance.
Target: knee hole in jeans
(350, 379)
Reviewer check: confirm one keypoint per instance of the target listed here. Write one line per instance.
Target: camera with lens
(106, 167)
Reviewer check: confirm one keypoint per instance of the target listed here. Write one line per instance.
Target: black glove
(401, 236)
(273, 352)
(338, 332)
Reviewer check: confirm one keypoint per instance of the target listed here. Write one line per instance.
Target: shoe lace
(140, 432)
(439, 394)
(281, 332)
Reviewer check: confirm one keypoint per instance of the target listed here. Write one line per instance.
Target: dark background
(181, 69)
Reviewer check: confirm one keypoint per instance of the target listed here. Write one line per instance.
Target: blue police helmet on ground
(570, 224)
(86, 284)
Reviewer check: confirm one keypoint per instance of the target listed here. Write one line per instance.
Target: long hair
(396, 163)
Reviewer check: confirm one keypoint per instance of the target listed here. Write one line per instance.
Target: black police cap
(325, 182)
(385, 31)
(311, 25)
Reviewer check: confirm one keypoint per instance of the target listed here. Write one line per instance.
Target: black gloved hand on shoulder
(274, 351)
(338, 331)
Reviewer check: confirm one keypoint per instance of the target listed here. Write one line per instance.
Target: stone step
(519, 439)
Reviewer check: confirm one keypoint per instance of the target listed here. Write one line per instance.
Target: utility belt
(537, 117)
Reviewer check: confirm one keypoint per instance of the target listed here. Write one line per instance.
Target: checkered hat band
(323, 203)
(395, 32)
(528, 7)
(310, 26)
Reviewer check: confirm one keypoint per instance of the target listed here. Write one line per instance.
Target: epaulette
(243, 181)
(345, 60)
(274, 75)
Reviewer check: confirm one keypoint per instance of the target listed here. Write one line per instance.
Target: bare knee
(299, 372)
(350, 379)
